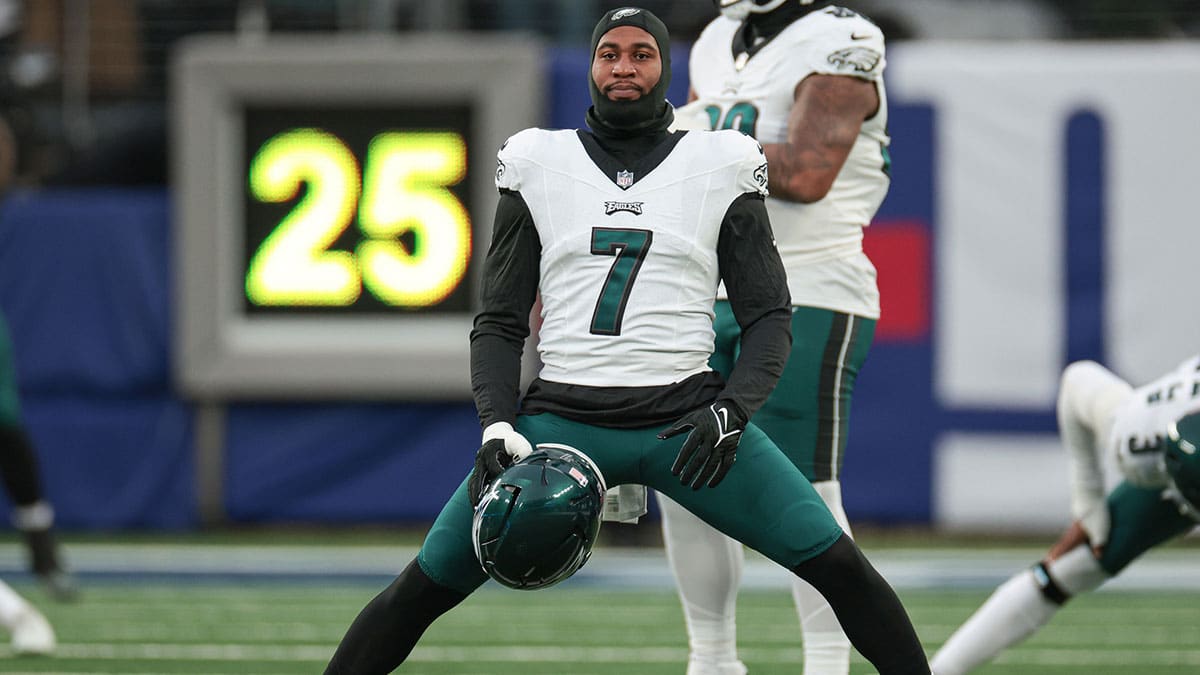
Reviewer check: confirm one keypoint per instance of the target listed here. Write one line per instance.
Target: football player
(1154, 433)
(805, 80)
(32, 513)
(626, 231)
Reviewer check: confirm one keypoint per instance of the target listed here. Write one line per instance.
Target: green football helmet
(1183, 458)
(536, 523)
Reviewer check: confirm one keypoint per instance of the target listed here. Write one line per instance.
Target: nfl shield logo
(624, 179)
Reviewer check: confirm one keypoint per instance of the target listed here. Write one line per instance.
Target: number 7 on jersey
(629, 247)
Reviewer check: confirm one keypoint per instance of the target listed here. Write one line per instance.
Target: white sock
(36, 516)
(1015, 611)
(12, 606)
(1077, 571)
(826, 647)
(708, 568)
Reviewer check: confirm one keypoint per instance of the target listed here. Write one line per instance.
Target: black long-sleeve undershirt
(510, 282)
(756, 281)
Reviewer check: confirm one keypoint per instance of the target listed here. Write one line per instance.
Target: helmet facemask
(1182, 460)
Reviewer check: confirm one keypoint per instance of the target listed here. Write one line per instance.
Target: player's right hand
(502, 446)
(1076, 535)
(1096, 524)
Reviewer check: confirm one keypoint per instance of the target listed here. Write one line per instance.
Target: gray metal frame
(220, 353)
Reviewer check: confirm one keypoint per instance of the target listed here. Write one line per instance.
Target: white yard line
(1031, 656)
(1172, 569)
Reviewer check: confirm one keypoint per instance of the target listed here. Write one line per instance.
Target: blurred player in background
(805, 80)
(626, 231)
(1154, 433)
(32, 514)
(30, 633)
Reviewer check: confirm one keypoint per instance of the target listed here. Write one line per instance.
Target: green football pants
(808, 413)
(1140, 520)
(764, 501)
(10, 410)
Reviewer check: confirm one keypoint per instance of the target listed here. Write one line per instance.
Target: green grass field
(276, 609)
(276, 628)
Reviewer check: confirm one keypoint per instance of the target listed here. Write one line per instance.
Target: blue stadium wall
(85, 283)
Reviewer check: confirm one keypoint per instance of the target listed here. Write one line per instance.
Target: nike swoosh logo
(722, 419)
(854, 36)
(722, 416)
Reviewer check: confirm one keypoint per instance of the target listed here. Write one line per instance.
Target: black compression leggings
(387, 629)
(867, 607)
(18, 466)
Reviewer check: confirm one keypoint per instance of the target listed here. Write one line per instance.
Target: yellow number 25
(404, 191)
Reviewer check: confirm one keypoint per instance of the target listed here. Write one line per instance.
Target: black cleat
(43, 556)
(60, 586)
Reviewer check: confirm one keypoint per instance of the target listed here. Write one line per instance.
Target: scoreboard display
(334, 205)
(352, 210)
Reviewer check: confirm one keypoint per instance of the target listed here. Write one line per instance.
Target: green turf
(276, 628)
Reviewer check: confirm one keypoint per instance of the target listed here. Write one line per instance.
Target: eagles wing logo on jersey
(499, 170)
(632, 207)
(624, 179)
(760, 175)
(860, 59)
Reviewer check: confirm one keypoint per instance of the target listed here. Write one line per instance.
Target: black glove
(490, 460)
(502, 446)
(708, 452)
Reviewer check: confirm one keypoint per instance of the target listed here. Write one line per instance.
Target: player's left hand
(711, 445)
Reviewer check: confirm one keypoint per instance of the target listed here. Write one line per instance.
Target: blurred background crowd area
(84, 83)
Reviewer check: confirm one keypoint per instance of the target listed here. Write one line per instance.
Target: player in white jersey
(626, 231)
(1153, 432)
(806, 81)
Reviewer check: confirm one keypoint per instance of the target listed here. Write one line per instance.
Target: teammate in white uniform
(806, 81)
(625, 230)
(1154, 433)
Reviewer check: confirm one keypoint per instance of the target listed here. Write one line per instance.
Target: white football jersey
(629, 263)
(820, 243)
(1140, 424)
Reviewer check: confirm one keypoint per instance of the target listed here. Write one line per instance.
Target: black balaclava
(649, 115)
